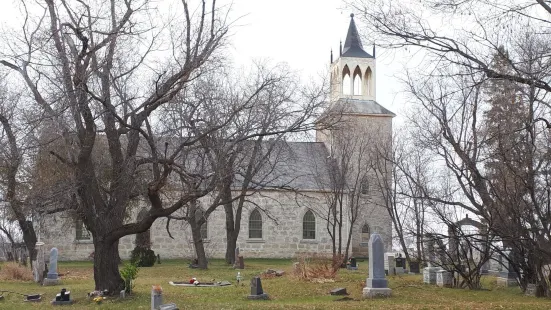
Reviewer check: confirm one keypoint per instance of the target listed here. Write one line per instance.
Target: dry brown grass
(14, 271)
(316, 267)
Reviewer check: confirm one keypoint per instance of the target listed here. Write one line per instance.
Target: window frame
(81, 232)
(306, 230)
(257, 221)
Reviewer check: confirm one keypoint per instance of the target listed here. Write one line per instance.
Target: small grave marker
(52, 276)
(256, 289)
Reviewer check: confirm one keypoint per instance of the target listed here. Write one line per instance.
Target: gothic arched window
(346, 81)
(357, 81)
(255, 224)
(81, 232)
(204, 231)
(364, 186)
(368, 84)
(309, 225)
(365, 233)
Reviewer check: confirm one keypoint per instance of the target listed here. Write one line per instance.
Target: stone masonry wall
(281, 231)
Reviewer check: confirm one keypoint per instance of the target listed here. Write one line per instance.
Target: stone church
(279, 223)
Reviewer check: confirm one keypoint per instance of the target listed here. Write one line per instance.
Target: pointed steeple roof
(353, 44)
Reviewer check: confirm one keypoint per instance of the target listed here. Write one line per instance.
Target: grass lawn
(285, 292)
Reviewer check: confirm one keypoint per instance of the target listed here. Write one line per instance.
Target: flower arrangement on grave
(157, 289)
(193, 281)
(98, 299)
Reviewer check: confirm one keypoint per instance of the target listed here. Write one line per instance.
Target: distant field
(286, 292)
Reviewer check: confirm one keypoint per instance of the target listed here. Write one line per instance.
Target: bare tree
(98, 79)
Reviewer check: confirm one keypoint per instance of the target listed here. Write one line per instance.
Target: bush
(315, 267)
(13, 271)
(129, 273)
(143, 257)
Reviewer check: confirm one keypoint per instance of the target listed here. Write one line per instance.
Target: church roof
(301, 166)
(353, 44)
(360, 106)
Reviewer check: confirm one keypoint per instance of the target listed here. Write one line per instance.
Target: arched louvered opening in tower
(357, 78)
(346, 86)
(368, 82)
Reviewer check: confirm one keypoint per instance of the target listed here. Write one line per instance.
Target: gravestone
(52, 276)
(352, 264)
(429, 274)
(444, 278)
(63, 298)
(239, 263)
(507, 276)
(390, 264)
(156, 297)
(414, 267)
(256, 289)
(400, 264)
(236, 257)
(339, 291)
(158, 258)
(376, 285)
(38, 264)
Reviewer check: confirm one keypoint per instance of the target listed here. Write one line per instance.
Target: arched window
(367, 82)
(364, 186)
(204, 231)
(357, 81)
(81, 232)
(309, 226)
(346, 81)
(365, 233)
(255, 224)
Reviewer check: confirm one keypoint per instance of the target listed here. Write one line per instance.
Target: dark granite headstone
(414, 267)
(256, 289)
(353, 262)
(62, 298)
(339, 291)
(239, 264)
(400, 262)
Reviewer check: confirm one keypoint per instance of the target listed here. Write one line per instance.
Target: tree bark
(231, 238)
(199, 246)
(106, 267)
(29, 237)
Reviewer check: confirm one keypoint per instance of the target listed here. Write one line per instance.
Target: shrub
(129, 273)
(313, 267)
(143, 257)
(13, 271)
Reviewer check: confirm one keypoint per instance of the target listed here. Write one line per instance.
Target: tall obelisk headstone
(52, 276)
(376, 285)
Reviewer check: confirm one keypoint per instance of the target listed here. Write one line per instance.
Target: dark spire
(353, 44)
(340, 48)
(373, 49)
(331, 55)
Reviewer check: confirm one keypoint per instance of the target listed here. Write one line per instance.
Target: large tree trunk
(199, 246)
(231, 236)
(29, 237)
(106, 267)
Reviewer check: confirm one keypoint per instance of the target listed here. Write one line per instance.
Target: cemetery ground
(286, 292)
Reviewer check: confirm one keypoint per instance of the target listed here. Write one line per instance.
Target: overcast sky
(299, 32)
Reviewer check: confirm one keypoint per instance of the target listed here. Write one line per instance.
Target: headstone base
(507, 282)
(51, 282)
(351, 268)
(261, 296)
(61, 302)
(429, 275)
(399, 270)
(369, 292)
(444, 278)
(171, 306)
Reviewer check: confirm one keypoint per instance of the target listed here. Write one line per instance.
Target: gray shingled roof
(353, 44)
(359, 106)
(295, 166)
